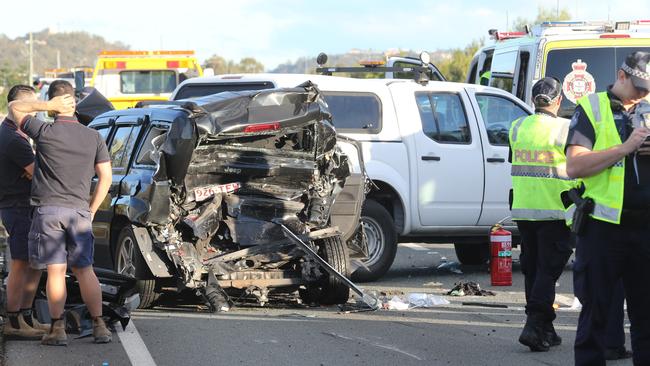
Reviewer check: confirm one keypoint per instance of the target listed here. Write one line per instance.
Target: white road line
(414, 246)
(134, 346)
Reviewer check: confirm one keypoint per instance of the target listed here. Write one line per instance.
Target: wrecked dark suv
(211, 194)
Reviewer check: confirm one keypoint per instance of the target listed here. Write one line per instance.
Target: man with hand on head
(68, 155)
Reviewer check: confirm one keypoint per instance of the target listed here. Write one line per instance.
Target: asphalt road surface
(181, 332)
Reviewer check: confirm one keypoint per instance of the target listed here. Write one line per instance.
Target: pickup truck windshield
(578, 68)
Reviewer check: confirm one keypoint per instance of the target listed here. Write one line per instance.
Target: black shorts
(17, 222)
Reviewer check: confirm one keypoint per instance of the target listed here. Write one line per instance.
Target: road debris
(469, 289)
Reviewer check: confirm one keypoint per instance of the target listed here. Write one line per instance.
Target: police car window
(354, 112)
(154, 139)
(585, 70)
(201, 90)
(443, 117)
(122, 145)
(503, 70)
(145, 81)
(497, 114)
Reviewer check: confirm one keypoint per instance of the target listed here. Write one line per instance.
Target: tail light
(261, 127)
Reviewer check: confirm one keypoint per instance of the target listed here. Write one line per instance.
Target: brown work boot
(38, 325)
(23, 331)
(100, 332)
(56, 336)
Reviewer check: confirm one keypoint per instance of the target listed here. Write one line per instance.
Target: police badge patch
(578, 82)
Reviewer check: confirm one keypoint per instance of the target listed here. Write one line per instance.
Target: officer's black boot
(533, 334)
(551, 336)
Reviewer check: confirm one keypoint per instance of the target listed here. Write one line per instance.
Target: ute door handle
(431, 158)
(495, 160)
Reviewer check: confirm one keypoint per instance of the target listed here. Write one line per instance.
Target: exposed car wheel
(472, 253)
(330, 289)
(129, 262)
(381, 239)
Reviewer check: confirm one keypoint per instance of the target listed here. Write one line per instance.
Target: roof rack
(420, 73)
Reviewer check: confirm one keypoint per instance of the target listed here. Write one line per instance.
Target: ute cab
(128, 77)
(584, 56)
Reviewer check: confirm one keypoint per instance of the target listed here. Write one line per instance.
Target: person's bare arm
(104, 179)
(19, 109)
(29, 171)
(582, 162)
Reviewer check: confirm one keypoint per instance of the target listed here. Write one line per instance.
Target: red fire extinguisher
(500, 256)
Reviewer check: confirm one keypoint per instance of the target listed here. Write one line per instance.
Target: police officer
(615, 241)
(538, 179)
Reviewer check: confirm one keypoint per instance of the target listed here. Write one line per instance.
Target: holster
(584, 207)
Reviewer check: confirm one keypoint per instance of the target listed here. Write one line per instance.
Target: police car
(584, 56)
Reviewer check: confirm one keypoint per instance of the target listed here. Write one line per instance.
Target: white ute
(436, 151)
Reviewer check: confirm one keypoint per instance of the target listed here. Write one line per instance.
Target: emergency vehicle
(128, 77)
(584, 56)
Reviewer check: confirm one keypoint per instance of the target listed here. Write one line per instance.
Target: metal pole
(58, 59)
(31, 59)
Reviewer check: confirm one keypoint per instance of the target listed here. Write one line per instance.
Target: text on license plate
(204, 193)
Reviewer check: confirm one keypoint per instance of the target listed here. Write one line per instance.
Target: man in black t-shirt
(604, 149)
(16, 170)
(68, 155)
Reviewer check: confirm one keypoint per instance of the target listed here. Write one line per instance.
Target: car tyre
(472, 253)
(129, 262)
(381, 240)
(330, 289)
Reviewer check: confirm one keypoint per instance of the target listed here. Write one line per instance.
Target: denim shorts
(17, 222)
(61, 235)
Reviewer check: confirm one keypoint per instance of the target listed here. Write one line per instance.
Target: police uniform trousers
(605, 253)
(545, 250)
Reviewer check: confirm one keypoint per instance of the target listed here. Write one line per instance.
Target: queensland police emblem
(578, 82)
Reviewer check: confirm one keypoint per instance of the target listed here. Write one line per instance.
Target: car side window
(498, 113)
(154, 139)
(122, 145)
(354, 112)
(104, 131)
(443, 117)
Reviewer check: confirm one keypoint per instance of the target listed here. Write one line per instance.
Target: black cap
(637, 65)
(545, 90)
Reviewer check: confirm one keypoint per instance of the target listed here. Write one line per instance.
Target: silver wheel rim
(375, 239)
(125, 257)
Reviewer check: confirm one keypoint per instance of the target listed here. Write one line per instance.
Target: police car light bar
(500, 36)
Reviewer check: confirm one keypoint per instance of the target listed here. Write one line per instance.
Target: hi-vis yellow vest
(605, 188)
(539, 167)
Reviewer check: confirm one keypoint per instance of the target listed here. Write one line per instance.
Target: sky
(277, 31)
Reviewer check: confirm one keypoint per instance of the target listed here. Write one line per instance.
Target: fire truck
(128, 77)
(584, 56)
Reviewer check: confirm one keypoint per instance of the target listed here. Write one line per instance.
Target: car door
(120, 147)
(495, 112)
(448, 158)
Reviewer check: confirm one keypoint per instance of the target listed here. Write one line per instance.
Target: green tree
(9, 76)
(222, 66)
(455, 68)
(543, 15)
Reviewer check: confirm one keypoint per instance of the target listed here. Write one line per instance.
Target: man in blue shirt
(16, 170)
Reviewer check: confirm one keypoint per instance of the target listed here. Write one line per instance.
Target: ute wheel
(381, 239)
(330, 289)
(472, 253)
(129, 262)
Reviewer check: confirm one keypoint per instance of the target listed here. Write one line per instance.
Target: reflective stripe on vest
(605, 188)
(539, 167)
